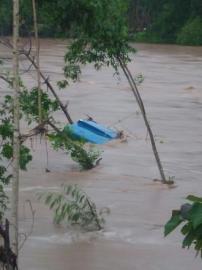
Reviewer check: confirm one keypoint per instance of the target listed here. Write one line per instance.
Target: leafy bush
(6, 139)
(146, 36)
(191, 33)
(102, 33)
(191, 215)
(72, 205)
(87, 157)
(29, 105)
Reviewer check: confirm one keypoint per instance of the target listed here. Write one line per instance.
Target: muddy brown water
(133, 235)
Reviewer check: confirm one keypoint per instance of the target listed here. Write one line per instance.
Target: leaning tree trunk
(138, 98)
(16, 135)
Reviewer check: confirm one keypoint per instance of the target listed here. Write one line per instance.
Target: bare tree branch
(39, 129)
(31, 59)
(5, 79)
(138, 98)
(27, 235)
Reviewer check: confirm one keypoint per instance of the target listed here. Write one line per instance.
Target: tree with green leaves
(103, 40)
(149, 20)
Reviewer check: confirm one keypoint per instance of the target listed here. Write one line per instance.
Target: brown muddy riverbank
(133, 236)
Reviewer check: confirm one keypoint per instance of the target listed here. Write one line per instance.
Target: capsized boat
(91, 131)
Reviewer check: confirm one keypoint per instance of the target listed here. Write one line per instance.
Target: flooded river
(133, 235)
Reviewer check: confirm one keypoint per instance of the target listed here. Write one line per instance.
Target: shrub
(191, 33)
(72, 205)
(86, 156)
(146, 37)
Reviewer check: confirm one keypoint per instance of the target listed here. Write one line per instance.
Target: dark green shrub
(191, 33)
(147, 37)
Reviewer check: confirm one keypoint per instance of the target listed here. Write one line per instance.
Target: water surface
(133, 236)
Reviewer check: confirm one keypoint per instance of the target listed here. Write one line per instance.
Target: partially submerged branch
(31, 59)
(39, 129)
(138, 98)
(50, 87)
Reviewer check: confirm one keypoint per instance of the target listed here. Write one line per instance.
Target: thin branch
(53, 126)
(142, 109)
(50, 87)
(31, 59)
(27, 235)
(5, 79)
(39, 129)
(6, 42)
(37, 60)
(27, 70)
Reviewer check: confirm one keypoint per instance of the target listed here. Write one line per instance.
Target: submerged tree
(103, 40)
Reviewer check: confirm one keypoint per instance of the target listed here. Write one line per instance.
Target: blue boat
(91, 131)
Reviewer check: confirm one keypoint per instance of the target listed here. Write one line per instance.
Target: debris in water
(90, 131)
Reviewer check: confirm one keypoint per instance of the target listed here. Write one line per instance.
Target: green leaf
(7, 151)
(172, 223)
(193, 198)
(186, 228)
(6, 129)
(188, 239)
(196, 214)
(70, 205)
(2, 170)
(25, 157)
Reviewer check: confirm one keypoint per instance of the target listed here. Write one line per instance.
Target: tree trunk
(37, 60)
(142, 109)
(16, 135)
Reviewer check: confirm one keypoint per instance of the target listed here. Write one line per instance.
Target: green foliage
(191, 215)
(6, 150)
(163, 19)
(72, 205)
(25, 157)
(29, 105)
(62, 84)
(139, 78)
(102, 34)
(86, 158)
(146, 36)
(191, 33)
(6, 138)
(73, 72)
(6, 129)
(3, 202)
(5, 16)
(174, 221)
